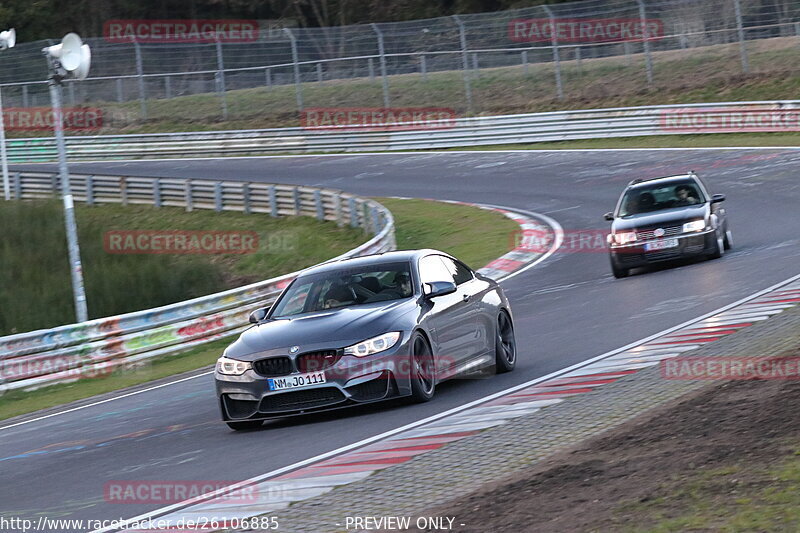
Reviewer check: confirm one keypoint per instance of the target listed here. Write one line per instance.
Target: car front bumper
(689, 245)
(350, 381)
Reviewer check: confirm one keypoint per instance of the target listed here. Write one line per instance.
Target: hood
(665, 217)
(331, 329)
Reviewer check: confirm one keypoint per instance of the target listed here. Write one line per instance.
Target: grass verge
(475, 235)
(35, 272)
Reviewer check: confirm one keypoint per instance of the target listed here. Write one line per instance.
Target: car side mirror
(717, 198)
(258, 315)
(609, 216)
(439, 288)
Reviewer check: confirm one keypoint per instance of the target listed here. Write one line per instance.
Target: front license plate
(660, 245)
(295, 382)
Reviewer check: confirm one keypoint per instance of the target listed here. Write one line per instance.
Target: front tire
(618, 272)
(423, 372)
(245, 425)
(728, 240)
(719, 248)
(505, 346)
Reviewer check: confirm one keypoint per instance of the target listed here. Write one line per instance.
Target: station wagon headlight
(625, 237)
(373, 345)
(694, 225)
(232, 367)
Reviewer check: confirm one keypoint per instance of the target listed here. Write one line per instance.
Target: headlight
(373, 345)
(232, 367)
(695, 225)
(625, 238)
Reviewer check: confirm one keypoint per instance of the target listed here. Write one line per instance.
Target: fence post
(423, 66)
(218, 196)
(556, 55)
(298, 86)
(384, 78)
(273, 202)
(119, 89)
(140, 75)
(157, 192)
(525, 62)
(167, 87)
(221, 80)
(89, 190)
(246, 207)
(475, 66)
(268, 77)
(189, 199)
(318, 205)
(371, 66)
(464, 62)
(740, 32)
(648, 58)
(353, 213)
(320, 78)
(24, 96)
(578, 60)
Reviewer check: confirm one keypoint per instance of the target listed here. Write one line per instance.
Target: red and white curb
(320, 475)
(520, 257)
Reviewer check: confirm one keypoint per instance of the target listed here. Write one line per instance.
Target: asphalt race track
(567, 309)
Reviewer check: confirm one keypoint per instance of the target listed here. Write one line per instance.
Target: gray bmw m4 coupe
(364, 330)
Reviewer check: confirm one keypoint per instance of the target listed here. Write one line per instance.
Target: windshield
(645, 199)
(345, 288)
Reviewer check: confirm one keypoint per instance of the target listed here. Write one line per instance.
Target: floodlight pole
(76, 270)
(3, 155)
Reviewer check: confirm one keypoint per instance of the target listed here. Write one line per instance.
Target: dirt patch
(695, 464)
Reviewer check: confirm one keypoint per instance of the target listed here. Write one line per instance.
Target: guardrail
(67, 353)
(723, 117)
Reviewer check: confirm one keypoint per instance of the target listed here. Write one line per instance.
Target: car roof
(373, 259)
(662, 179)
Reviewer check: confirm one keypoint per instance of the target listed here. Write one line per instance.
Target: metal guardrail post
(123, 190)
(140, 76)
(298, 85)
(353, 213)
(462, 31)
(376, 225)
(273, 202)
(740, 33)
(189, 200)
(337, 205)
(384, 76)
(648, 58)
(218, 201)
(556, 54)
(90, 190)
(296, 199)
(318, 205)
(220, 75)
(157, 192)
(17, 186)
(246, 207)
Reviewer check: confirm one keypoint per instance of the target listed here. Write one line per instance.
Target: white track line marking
(559, 373)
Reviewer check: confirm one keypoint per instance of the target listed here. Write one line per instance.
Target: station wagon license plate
(296, 382)
(660, 245)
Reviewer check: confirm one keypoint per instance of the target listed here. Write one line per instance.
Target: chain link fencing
(490, 63)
